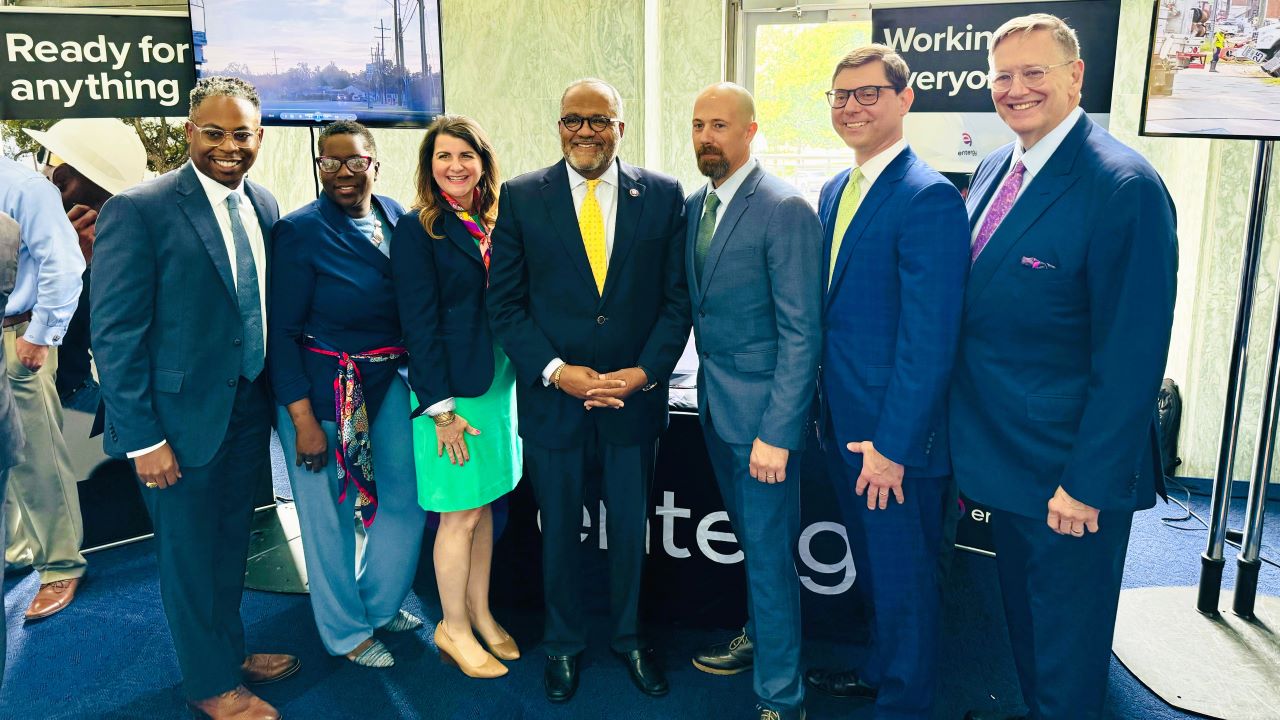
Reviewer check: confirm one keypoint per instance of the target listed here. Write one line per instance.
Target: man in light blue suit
(1065, 333)
(896, 252)
(753, 266)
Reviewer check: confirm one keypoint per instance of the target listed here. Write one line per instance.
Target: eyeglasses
(865, 95)
(213, 137)
(355, 163)
(44, 157)
(1031, 77)
(599, 123)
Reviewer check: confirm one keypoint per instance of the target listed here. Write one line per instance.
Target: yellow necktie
(849, 201)
(591, 223)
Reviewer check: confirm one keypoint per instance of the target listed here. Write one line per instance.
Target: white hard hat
(105, 150)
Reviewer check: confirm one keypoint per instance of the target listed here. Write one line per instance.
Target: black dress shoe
(560, 678)
(839, 683)
(975, 715)
(727, 658)
(645, 672)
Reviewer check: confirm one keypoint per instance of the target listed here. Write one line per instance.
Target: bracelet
(445, 418)
(555, 376)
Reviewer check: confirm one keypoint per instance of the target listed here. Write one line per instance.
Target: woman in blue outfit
(334, 350)
(466, 448)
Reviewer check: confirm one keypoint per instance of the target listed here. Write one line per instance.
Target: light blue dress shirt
(49, 260)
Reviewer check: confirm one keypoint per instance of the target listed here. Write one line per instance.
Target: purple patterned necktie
(1000, 207)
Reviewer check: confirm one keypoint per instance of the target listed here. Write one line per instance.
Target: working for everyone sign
(60, 64)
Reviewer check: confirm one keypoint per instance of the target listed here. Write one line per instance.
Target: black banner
(946, 47)
(69, 64)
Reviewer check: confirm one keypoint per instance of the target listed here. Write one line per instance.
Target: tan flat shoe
(449, 653)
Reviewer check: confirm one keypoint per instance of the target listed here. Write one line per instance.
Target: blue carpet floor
(109, 655)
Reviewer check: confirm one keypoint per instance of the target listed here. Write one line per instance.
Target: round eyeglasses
(599, 123)
(1032, 76)
(355, 163)
(215, 136)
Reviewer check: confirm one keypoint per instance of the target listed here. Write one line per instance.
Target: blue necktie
(247, 294)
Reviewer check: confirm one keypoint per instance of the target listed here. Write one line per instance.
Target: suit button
(231, 382)
(602, 320)
(236, 342)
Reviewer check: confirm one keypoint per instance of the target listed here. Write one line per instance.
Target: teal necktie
(706, 229)
(247, 294)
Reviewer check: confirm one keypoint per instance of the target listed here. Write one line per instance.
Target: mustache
(706, 149)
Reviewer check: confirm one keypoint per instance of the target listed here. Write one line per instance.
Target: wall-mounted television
(374, 61)
(1188, 94)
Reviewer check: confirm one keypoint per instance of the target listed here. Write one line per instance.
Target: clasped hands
(598, 390)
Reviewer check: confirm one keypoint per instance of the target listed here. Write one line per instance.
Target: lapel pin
(635, 192)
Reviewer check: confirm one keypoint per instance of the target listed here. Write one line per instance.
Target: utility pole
(275, 61)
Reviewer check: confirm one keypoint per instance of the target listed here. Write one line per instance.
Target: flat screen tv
(1189, 94)
(373, 61)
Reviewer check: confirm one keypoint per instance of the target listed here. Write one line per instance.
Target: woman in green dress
(466, 448)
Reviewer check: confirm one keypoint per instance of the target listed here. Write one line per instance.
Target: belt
(18, 319)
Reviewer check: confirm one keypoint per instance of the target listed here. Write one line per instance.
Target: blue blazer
(1067, 317)
(756, 312)
(543, 302)
(891, 314)
(164, 317)
(330, 283)
(440, 288)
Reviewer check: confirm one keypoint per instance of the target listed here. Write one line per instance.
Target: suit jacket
(1067, 317)
(440, 284)
(891, 314)
(166, 329)
(11, 438)
(757, 312)
(543, 301)
(330, 283)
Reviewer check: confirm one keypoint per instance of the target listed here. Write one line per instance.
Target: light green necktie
(849, 201)
(706, 229)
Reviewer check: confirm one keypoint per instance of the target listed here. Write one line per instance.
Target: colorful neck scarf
(474, 225)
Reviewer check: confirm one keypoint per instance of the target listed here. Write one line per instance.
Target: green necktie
(849, 201)
(706, 229)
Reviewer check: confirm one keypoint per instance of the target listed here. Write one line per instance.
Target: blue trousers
(766, 521)
(350, 595)
(895, 551)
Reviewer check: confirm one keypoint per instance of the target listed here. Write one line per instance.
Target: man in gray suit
(754, 265)
(11, 439)
(177, 317)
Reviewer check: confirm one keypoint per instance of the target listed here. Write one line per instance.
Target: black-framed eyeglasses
(355, 163)
(599, 123)
(213, 136)
(46, 157)
(865, 95)
(1032, 76)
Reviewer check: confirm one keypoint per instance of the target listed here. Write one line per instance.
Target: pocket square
(1036, 264)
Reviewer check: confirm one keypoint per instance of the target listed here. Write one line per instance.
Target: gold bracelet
(445, 418)
(555, 376)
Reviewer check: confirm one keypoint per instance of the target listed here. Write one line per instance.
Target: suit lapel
(693, 214)
(352, 237)
(564, 219)
(880, 191)
(732, 214)
(629, 207)
(980, 195)
(1045, 188)
(460, 236)
(195, 205)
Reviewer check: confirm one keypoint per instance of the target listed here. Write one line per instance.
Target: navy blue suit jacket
(440, 287)
(892, 314)
(329, 282)
(165, 321)
(1059, 366)
(543, 301)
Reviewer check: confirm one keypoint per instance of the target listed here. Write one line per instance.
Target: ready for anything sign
(76, 63)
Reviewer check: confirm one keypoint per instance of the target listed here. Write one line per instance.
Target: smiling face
(1032, 113)
(226, 163)
(351, 191)
(589, 151)
(869, 129)
(456, 168)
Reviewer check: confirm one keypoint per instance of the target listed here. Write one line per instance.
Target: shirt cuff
(550, 370)
(37, 333)
(444, 406)
(144, 451)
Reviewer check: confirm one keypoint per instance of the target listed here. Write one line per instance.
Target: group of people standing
(426, 359)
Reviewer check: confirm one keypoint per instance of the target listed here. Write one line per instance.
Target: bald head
(734, 97)
(723, 127)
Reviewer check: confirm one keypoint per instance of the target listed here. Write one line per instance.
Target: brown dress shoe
(52, 598)
(262, 668)
(237, 704)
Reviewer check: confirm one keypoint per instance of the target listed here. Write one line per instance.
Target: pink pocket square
(1035, 264)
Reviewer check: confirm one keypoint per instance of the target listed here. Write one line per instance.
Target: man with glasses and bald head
(178, 331)
(1064, 336)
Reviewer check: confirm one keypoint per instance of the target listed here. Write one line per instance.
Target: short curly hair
(346, 127)
(222, 86)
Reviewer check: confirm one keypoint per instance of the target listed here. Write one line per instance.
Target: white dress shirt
(875, 167)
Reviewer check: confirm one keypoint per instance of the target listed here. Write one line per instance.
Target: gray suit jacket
(757, 312)
(165, 320)
(11, 439)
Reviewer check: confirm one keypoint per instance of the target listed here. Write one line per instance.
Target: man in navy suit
(896, 256)
(753, 268)
(1066, 325)
(177, 318)
(587, 296)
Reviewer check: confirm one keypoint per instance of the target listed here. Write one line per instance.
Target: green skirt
(496, 463)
